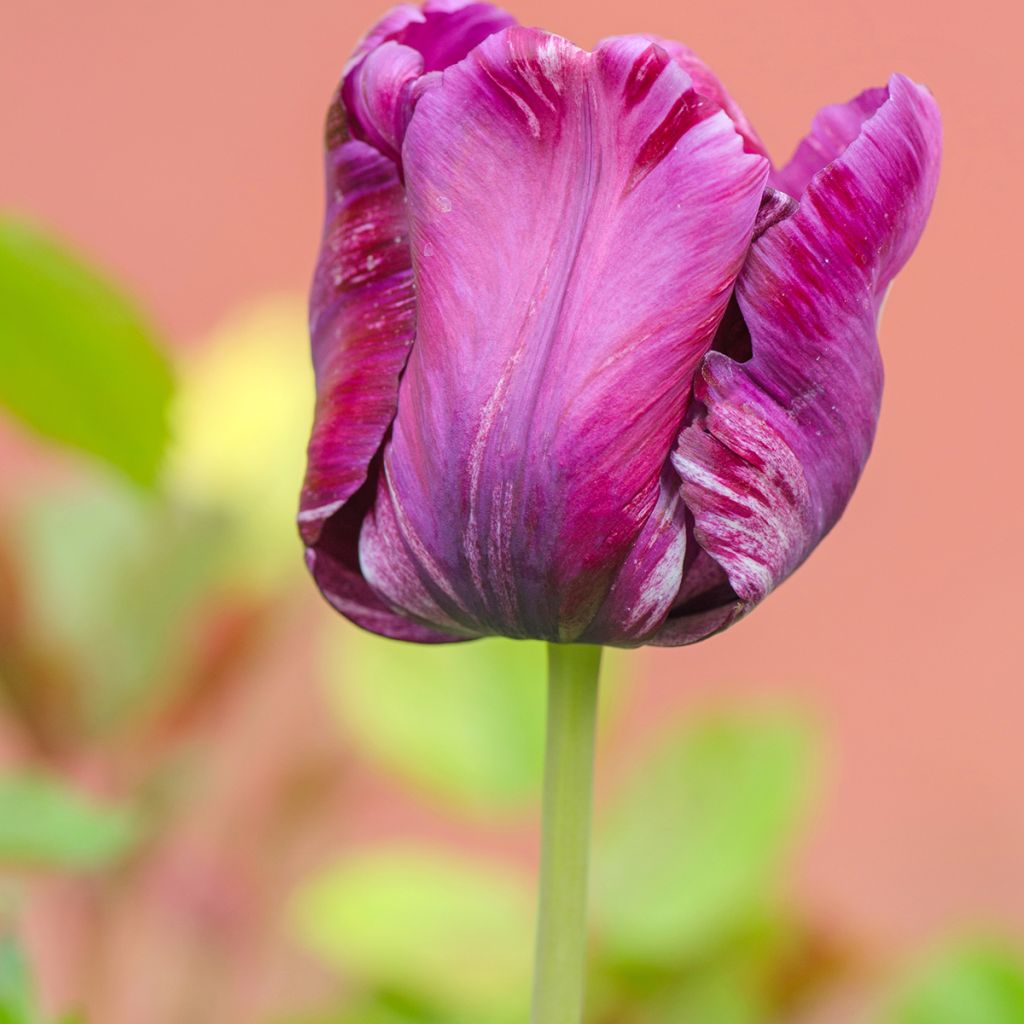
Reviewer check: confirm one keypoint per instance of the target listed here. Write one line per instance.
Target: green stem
(568, 782)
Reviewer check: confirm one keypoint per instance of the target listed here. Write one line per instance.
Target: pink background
(180, 146)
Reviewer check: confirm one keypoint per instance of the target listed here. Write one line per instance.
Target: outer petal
(832, 130)
(362, 314)
(577, 222)
(778, 443)
(706, 82)
(378, 83)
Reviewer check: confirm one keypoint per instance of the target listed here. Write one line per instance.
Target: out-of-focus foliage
(980, 981)
(736, 958)
(691, 850)
(126, 618)
(463, 721)
(17, 1000)
(443, 932)
(112, 578)
(44, 822)
(78, 363)
(18, 1003)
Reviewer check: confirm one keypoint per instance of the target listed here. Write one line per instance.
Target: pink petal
(378, 84)
(777, 443)
(378, 95)
(577, 223)
(706, 82)
(832, 130)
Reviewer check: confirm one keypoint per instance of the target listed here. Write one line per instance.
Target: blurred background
(220, 803)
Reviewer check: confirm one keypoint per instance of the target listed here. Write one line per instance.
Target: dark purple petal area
(577, 223)
(362, 321)
(779, 441)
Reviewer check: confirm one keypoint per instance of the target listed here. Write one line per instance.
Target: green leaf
(45, 823)
(375, 1009)
(463, 721)
(722, 994)
(77, 362)
(445, 932)
(17, 1000)
(693, 847)
(973, 981)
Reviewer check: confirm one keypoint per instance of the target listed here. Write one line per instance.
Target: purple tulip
(588, 367)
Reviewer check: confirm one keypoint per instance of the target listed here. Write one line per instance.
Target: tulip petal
(577, 222)
(442, 31)
(778, 442)
(362, 317)
(706, 82)
(407, 43)
(832, 130)
(647, 583)
(378, 95)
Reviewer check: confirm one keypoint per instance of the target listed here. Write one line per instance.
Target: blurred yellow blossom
(240, 426)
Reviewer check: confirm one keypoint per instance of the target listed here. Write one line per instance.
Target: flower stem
(568, 782)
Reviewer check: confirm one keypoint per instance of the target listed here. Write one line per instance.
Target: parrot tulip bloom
(589, 369)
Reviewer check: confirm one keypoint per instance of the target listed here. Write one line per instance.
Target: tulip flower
(590, 369)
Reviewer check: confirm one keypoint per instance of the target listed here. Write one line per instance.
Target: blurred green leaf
(693, 846)
(112, 577)
(464, 721)
(383, 1008)
(445, 932)
(45, 823)
(77, 361)
(972, 983)
(17, 1001)
(722, 994)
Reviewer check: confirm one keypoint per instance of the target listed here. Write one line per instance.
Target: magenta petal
(378, 85)
(832, 130)
(577, 222)
(362, 315)
(333, 563)
(451, 29)
(442, 31)
(779, 442)
(362, 322)
(378, 95)
(706, 82)
(647, 583)
(390, 27)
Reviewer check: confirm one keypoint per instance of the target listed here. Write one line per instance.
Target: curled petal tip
(772, 459)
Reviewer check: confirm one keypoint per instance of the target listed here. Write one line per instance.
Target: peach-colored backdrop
(179, 144)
